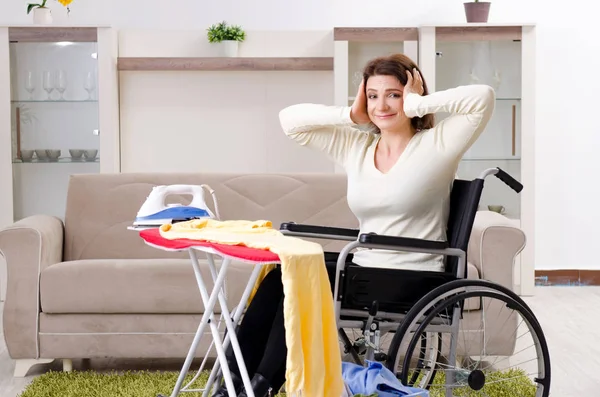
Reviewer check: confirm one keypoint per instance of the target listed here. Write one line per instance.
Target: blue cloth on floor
(375, 378)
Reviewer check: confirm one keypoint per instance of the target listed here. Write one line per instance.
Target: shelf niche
(225, 64)
(51, 34)
(376, 34)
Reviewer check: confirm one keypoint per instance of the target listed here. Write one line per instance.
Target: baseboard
(567, 277)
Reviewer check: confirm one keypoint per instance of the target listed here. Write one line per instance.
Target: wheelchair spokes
(373, 341)
(371, 345)
(424, 371)
(472, 357)
(422, 361)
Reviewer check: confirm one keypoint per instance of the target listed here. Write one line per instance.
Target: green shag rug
(510, 383)
(112, 384)
(150, 384)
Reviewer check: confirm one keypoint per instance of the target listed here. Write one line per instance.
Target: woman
(400, 174)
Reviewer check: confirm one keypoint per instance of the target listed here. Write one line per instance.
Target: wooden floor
(570, 318)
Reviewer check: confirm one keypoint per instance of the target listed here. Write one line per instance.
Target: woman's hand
(414, 83)
(358, 113)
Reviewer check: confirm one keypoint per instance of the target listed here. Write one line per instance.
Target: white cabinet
(501, 56)
(59, 115)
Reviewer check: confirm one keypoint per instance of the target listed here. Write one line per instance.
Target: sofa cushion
(133, 286)
(142, 286)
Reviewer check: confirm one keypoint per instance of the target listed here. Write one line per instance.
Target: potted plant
(477, 11)
(42, 14)
(228, 36)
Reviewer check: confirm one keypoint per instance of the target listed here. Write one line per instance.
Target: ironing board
(252, 256)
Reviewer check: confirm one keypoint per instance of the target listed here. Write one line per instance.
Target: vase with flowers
(42, 14)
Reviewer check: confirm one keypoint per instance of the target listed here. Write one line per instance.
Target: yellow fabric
(313, 366)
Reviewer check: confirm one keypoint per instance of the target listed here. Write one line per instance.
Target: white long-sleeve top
(412, 199)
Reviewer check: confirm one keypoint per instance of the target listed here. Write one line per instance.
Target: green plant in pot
(228, 36)
(477, 11)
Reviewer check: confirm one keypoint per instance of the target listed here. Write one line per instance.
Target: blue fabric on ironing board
(375, 378)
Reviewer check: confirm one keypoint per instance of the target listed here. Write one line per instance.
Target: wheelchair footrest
(395, 291)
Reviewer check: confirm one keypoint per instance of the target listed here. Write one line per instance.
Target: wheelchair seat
(395, 291)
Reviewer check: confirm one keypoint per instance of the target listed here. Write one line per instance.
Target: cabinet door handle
(96, 132)
(514, 127)
(18, 121)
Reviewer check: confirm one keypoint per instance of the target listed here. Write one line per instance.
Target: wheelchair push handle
(509, 180)
(504, 177)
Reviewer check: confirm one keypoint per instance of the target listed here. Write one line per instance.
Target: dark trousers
(261, 333)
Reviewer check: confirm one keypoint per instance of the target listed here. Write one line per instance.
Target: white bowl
(90, 154)
(41, 154)
(26, 154)
(76, 153)
(53, 154)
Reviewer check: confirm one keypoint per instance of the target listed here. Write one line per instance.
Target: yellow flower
(65, 2)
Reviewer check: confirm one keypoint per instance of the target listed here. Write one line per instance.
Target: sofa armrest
(28, 246)
(494, 244)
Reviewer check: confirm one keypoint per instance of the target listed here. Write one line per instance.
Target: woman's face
(385, 104)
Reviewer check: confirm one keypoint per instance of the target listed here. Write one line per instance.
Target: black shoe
(260, 385)
(237, 385)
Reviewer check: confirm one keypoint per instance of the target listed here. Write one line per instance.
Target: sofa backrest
(101, 206)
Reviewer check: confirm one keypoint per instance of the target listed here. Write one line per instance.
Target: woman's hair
(396, 65)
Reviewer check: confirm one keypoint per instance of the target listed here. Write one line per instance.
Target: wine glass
(90, 84)
(48, 83)
(30, 84)
(61, 83)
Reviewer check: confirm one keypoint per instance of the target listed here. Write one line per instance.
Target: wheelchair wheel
(483, 330)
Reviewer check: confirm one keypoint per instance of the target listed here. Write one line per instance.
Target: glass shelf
(352, 98)
(54, 101)
(492, 159)
(59, 160)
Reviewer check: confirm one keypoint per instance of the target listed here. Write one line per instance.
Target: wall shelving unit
(44, 74)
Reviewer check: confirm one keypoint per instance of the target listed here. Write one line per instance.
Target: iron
(155, 212)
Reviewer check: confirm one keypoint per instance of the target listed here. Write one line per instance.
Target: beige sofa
(90, 288)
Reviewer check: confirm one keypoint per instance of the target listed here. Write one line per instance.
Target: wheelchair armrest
(402, 242)
(334, 233)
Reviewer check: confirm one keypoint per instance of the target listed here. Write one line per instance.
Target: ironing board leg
(209, 304)
(231, 334)
(236, 318)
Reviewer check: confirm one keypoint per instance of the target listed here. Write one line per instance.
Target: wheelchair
(433, 315)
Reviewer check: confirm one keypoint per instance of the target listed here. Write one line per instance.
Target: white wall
(217, 121)
(567, 84)
(184, 14)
